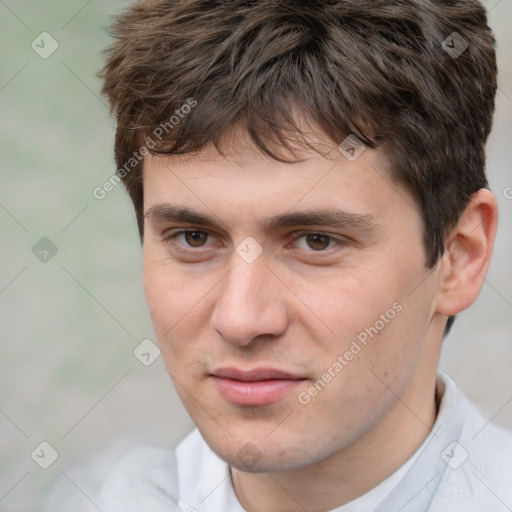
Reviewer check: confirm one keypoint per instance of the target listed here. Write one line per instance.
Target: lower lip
(263, 392)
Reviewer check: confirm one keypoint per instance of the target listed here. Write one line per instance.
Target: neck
(348, 473)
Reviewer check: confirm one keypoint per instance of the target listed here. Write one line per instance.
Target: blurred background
(72, 309)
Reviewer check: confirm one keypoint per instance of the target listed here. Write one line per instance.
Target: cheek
(352, 302)
(375, 315)
(395, 335)
(179, 308)
(167, 297)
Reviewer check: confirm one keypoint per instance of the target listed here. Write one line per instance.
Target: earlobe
(468, 254)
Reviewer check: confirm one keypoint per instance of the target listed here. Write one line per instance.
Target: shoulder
(118, 480)
(489, 458)
(146, 479)
(159, 480)
(478, 472)
(488, 446)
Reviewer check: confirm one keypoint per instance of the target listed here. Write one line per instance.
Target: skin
(299, 306)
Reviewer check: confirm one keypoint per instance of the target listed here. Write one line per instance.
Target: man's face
(291, 301)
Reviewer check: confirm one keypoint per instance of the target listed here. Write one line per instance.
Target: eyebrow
(324, 217)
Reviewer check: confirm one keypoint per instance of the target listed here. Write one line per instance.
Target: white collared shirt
(464, 465)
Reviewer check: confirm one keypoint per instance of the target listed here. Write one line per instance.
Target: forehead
(247, 184)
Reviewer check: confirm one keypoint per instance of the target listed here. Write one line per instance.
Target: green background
(69, 326)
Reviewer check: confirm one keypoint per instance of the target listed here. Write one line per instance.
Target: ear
(467, 256)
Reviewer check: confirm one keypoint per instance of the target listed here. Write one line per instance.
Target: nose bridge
(248, 304)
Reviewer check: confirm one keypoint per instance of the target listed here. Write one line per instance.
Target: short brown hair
(379, 69)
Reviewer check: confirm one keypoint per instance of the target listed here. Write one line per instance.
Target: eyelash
(174, 235)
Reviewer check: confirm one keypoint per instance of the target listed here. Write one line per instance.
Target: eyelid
(173, 234)
(340, 240)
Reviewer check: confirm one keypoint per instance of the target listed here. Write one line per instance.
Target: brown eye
(318, 242)
(196, 238)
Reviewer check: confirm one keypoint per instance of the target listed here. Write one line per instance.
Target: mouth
(256, 387)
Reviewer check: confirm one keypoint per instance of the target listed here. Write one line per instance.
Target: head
(244, 123)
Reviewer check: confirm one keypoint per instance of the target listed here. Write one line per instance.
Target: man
(308, 180)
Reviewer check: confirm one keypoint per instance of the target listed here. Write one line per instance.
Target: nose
(251, 304)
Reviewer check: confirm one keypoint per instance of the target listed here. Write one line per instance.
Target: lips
(258, 374)
(256, 387)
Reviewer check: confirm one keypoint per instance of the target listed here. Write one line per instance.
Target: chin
(264, 456)
(268, 463)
